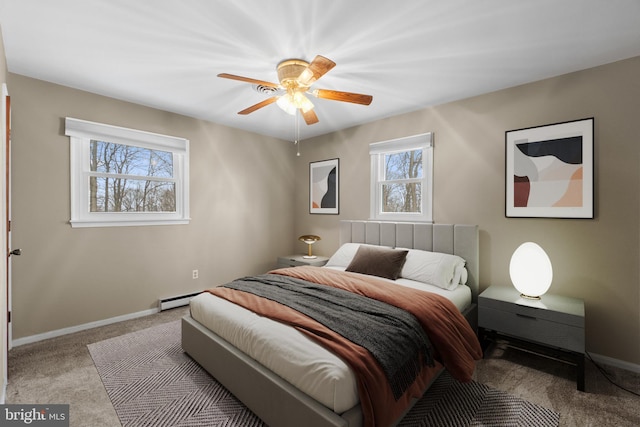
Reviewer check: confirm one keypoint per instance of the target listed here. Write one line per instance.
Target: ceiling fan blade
(316, 69)
(310, 117)
(335, 95)
(258, 105)
(248, 80)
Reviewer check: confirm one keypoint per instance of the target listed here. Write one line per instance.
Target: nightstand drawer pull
(525, 316)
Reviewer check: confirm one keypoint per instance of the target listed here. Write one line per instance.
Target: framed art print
(324, 187)
(549, 171)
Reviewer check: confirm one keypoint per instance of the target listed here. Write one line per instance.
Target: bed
(280, 394)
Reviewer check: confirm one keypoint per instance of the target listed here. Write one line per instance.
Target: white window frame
(81, 132)
(377, 151)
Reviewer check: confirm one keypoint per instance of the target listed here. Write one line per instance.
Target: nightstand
(298, 260)
(552, 326)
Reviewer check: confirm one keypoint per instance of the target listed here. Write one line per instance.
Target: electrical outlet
(194, 274)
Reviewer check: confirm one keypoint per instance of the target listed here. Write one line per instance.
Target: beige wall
(241, 208)
(596, 260)
(3, 61)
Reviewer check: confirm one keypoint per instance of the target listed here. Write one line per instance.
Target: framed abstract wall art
(324, 188)
(549, 171)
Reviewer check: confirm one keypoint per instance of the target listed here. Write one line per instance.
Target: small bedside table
(297, 260)
(552, 326)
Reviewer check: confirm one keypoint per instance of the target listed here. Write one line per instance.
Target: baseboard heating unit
(177, 301)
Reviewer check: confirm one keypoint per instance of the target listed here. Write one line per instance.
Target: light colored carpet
(152, 382)
(61, 370)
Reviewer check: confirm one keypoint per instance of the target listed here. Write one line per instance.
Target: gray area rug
(152, 382)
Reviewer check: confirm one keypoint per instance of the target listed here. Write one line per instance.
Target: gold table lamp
(309, 239)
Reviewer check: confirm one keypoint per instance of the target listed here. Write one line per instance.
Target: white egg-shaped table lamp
(530, 270)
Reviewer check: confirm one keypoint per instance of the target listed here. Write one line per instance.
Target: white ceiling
(408, 54)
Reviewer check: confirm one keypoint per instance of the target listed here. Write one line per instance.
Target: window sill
(89, 224)
(402, 218)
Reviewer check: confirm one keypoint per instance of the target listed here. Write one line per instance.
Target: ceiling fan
(296, 77)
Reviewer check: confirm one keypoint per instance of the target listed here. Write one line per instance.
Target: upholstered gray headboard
(456, 239)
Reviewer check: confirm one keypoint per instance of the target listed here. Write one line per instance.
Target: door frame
(5, 185)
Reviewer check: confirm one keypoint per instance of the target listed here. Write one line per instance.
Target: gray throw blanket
(393, 336)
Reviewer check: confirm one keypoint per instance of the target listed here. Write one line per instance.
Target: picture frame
(549, 171)
(324, 187)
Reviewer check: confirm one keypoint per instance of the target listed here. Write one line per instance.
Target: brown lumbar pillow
(378, 261)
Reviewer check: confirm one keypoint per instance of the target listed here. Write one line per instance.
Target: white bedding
(291, 354)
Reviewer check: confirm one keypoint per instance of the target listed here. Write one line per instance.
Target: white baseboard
(72, 329)
(616, 363)
(3, 393)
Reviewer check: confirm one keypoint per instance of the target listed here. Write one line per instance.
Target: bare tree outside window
(402, 178)
(401, 189)
(127, 178)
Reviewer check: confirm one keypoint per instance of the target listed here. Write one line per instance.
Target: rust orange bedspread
(455, 343)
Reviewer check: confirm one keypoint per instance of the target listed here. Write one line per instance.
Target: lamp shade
(530, 270)
(286, 103)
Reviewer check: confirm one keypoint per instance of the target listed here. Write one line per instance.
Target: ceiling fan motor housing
(289, 70)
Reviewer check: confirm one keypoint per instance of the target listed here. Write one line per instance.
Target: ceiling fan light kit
(294, 101)
(296, 77)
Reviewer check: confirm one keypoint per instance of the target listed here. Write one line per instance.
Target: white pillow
(343, 256)
(461, 275)
(443, 270)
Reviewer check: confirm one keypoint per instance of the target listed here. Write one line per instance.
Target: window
(123, 177)
(402, 179)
